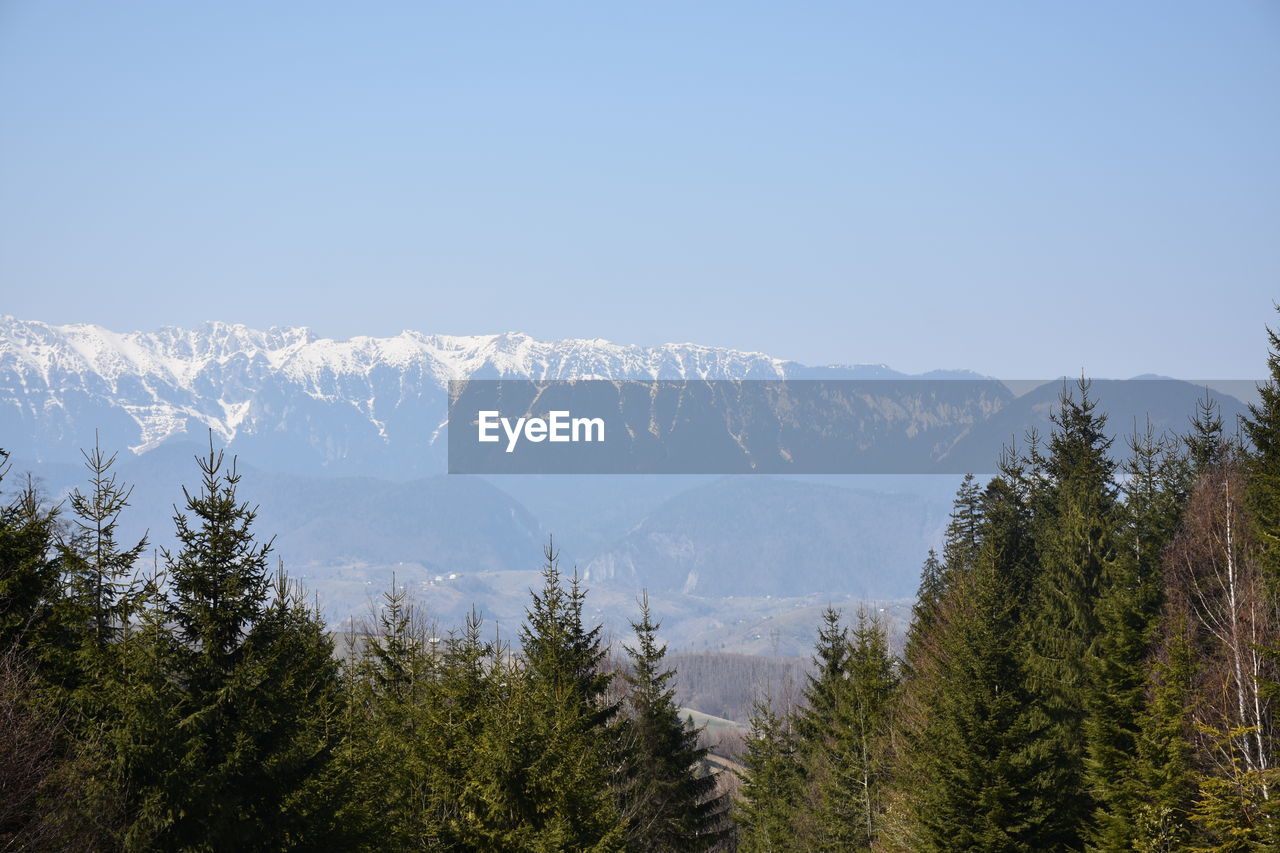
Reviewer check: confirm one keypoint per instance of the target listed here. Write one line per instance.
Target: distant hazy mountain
(288, 400)
(758, 536)
(294, 401)
(342, 445)
(1165, 405)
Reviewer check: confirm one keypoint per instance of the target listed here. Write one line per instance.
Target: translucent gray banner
(785, 426)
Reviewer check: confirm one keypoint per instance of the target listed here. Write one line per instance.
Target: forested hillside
(1092, 663)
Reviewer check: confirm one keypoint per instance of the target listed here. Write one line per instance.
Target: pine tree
(924, 611)
(560, 754)
(964, 747)
(145, 702)
(244, 686)
(823, 686)
(102, 592)
(853, 762)
(30, 594)
(99, 572)
(770, 792)
(469, 684)
(289, 728)
(1074, 530)
(220, 576)
(1262, 426)
(1127, 611)
(671, 801)
(1165, 771)
(558, 649)
(961, 539)
(1206, 442)
(393, 735)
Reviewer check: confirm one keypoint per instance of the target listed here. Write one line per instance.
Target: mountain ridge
(300, 394)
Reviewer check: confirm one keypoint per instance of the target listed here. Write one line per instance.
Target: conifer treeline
(201, 706)
(1092, 664)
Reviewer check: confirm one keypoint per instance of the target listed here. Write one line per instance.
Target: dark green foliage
(1091, 665)
(924, 612)
(1165, 775)
(961, 544)
(555, 779)
(30, 594)
(1075, 527)
(849, 771)
(1263, 430)
(1206, 442)
(771, 788)
(960, 549)
(382, 753)
(103, 594)
(232, 695)
(471, 681)
(560, 652)
(1127, 611)
(219, 577)
(929, 595)
(464, 745)
(967, 743)
(99, 573)
(670, 797)
(839, 735)
(824, 685)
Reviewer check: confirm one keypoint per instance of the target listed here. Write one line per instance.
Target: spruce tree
(924, 611)
(1074, 529)
(559, 650)
(1127, 611)
(1165, 770)
(852, 762)
(103, 591)
(824, 685)
(671, 801)
(965, 746)
(393, 733)
(99, 571)
(289, 728)
(961, 539)
(838, 735)
(471, 679)
(30, 592)
(245, 688)
(1262, 426)
(1206, 442)
(555, 776)
(770, 793)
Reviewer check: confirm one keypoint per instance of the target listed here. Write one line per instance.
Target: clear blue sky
(1020, 188)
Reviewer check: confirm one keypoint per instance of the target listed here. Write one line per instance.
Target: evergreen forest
(1093, 663)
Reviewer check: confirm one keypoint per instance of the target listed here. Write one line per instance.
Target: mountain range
(342, 443)
(364, 405)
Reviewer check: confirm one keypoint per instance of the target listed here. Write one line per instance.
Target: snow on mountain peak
(231, 378)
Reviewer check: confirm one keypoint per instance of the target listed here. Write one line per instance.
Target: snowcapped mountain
(299, 399)
(294, 405)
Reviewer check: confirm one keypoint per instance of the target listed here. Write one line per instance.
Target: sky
(1023, 189)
